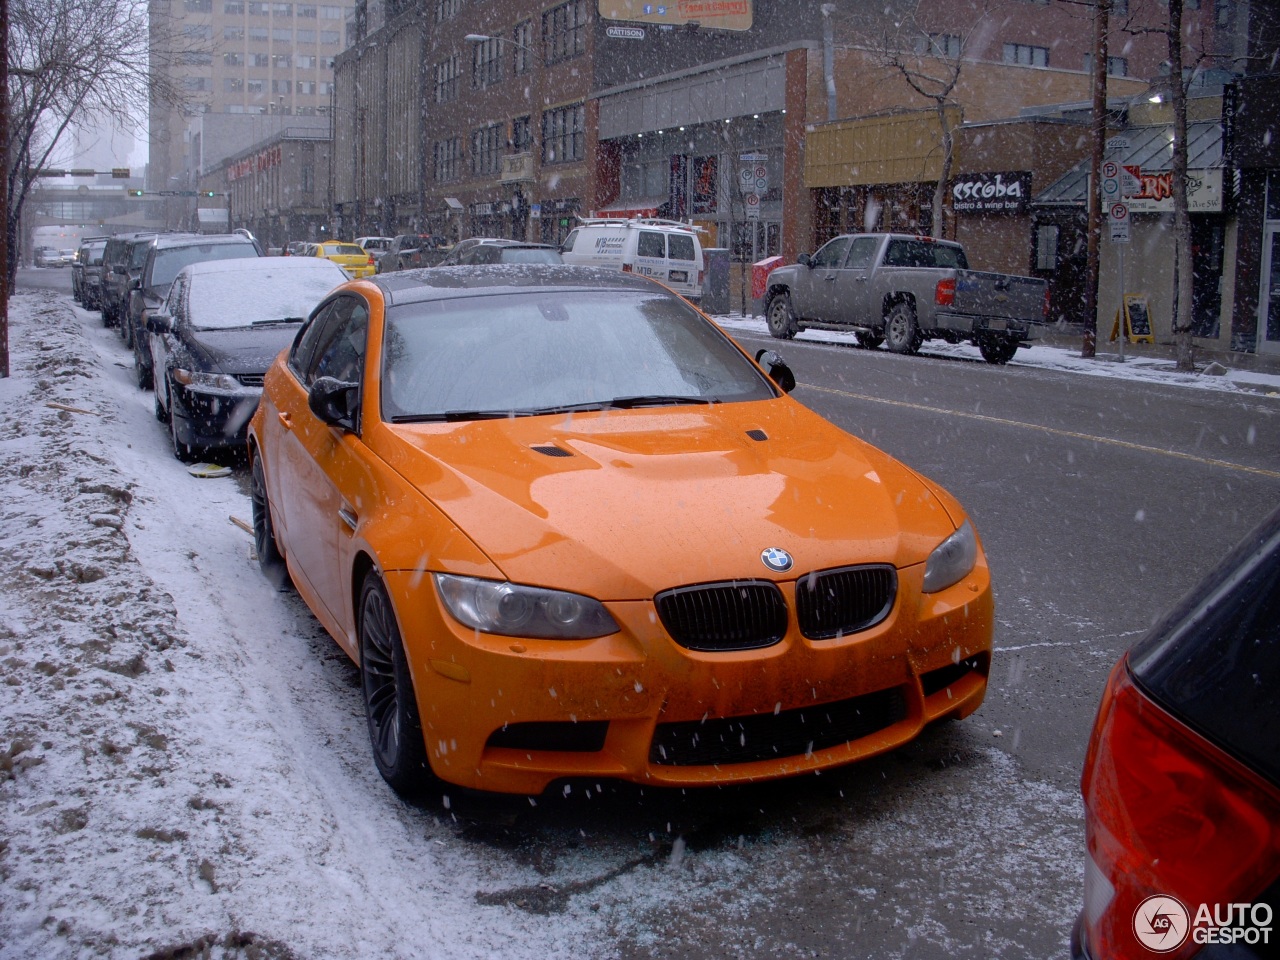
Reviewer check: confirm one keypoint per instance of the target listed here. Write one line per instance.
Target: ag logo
(776, 559)
(1161, 923)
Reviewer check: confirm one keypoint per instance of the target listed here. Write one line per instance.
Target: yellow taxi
(351, 257)
(566, 527)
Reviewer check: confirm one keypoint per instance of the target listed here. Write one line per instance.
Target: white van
(666, 250)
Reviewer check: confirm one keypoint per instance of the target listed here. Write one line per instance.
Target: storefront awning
(1150, 150)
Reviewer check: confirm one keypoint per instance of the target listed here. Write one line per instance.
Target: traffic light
(135, 193)
(210, 193)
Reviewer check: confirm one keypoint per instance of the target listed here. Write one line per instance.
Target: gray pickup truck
(901, 290)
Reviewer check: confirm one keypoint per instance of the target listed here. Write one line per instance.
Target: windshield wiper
(453, 416)
(267, 323)
(656, 400)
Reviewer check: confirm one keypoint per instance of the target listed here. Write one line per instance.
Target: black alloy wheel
(270, 558)
(395, 730)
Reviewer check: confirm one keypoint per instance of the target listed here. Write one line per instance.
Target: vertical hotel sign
(707, 14)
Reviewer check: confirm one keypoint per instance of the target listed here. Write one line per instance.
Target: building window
(486, 63)
(564, 31)
(307, 86)
(486, 149)
(939, 45)
(282, 9)
(1118, 66)
(196, 83)
(233, 84)
(1120, 8)
(282, 35)
(521, 135)
(1046, 247)
(198, 31)
(281, 60)
(307, 10)
(306, 63)
(233, 59)
(306, 36)
(259, 9)
(447, 80)
(1026, 55)
(445, 155)
(195, 58)
(564, 134)
(324, 88)
(326, 63)
(256, 86)
(523, 47)
(307, 173)
(233, 8)
(331, 13)
(259, 33)
(197, 6)
(447, 9)
(281, 86)
(233, 33)
(329, 36)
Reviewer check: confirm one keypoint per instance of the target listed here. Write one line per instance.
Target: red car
(1182, 778)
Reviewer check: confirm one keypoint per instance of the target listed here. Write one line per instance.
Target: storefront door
(1269, 294)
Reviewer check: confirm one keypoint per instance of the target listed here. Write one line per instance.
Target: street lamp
(483, 37)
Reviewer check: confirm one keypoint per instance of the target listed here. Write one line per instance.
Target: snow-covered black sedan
(222, 324)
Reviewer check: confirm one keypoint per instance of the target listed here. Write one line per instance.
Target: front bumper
(512, 715)
(211, 420)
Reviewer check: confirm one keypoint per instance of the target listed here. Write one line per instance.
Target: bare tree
(931, 65)
(70, 60)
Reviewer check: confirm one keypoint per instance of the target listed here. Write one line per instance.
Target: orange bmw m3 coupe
(566, 527)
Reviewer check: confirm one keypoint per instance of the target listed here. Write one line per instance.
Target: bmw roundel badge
(776, 559)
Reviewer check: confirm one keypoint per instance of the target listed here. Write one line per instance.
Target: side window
(681, 246)
(832, 253)
(340, 349)
(861, 252)
(651, 244)
(304, 347)
(945, 255)
(567, 246)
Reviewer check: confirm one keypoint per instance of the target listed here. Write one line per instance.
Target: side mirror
(135, 283)
(159, 323)
(334, 401)
(777, 369)
(117, 268)
(805, 261)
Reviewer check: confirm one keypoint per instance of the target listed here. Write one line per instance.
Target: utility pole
(1097, 142)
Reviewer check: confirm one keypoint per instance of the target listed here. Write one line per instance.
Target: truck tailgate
(998, 295)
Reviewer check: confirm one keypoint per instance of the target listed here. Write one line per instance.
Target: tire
(395, 730)
(270, 558)
(186, 453)
(780, 317)
(126, 329)
(997, 350)
(901, 335)
(868, 341)
(161, 413)
(141, 372)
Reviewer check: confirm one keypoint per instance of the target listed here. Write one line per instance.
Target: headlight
(951, 560)
(211, 382)
(514, 610)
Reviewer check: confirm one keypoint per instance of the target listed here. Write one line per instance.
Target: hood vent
(551, 450)
(757, 435)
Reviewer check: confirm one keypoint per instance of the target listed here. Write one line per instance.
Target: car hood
(624, 504)
(242, 350)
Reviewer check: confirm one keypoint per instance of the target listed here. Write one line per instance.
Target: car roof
(444, 283)
(247, 266)
(199, 239)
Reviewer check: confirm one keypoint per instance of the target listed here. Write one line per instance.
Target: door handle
(830, 278)
(285, 420)
(348, 516)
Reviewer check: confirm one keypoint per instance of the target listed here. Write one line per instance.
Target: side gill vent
(551, 450)
(757, 435)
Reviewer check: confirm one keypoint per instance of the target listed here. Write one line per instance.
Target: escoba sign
(991, 192)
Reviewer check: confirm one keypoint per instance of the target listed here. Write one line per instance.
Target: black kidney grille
(737, 615)
(769, 736)
(834, 603)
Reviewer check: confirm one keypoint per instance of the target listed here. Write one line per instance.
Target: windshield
(169, 262)
(530, 353)
(223, 300)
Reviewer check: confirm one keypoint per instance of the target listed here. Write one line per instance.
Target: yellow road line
(1143, 448)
